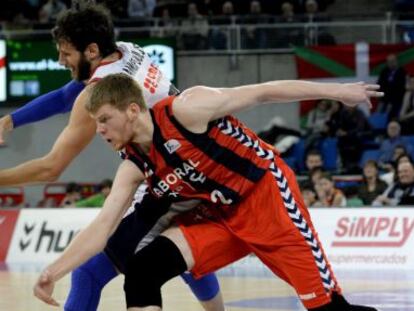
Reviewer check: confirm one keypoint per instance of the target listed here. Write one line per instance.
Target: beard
(84, 69)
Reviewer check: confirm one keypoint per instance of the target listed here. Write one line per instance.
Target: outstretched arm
(42, 107)
(73, 139)
(93, 238)
(201, 104)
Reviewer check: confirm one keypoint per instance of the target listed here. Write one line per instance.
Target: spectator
(372, 186)
(73, 194)
(220, 38)
(168, 25)
(255, 37)
(316, 127)
(392, 80)
(141, 8)
(194, 29)
(400, 155)
(402, 191)
(352, 128)
(328, 194)
(98, 199)
(313, 165)
(50, 10)
(388, 145)
(309, 195)
(285, 37)
(406, 116)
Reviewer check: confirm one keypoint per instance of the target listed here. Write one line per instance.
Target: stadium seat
(372, 154)
(378, 121)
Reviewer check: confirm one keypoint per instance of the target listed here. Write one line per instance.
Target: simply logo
(172, 145)
(373, 231)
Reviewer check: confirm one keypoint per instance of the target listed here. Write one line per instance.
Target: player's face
(115, 127)
(73, 60)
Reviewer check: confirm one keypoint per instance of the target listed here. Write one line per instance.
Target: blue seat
(378, 121)
(372, 154)
(291, 161)
(329, 153)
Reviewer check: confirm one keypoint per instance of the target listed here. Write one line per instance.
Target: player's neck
(143, 132)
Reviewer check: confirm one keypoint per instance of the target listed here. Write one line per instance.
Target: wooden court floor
(391, 291)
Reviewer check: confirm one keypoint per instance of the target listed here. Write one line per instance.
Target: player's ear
(133, 110)
(92, 51)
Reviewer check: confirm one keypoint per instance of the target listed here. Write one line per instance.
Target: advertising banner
(366, 237)
(8, 220)
(42, 234)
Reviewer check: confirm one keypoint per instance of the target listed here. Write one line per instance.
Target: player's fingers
(375, 94)
(372, 87)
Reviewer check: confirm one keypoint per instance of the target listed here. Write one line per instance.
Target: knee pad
(87, 283)
(205, 288)
(149, 269)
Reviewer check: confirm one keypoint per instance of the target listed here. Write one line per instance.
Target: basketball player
(86, 44)
(252, 202)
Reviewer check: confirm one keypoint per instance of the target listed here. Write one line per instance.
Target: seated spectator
(372, 186)
(73, 194)
(314, 34)
(388, 145)
(351, 127)
(194, 29)
(317, 119)
(50, 10)
(313, 165)
(254, 37)
(406, 116)
(98, 199)
(400, 155)
(328, 195)
(220, 38)
(141, 8)
(309, 195)
(392, 80)
(167, 25)
(401, 192)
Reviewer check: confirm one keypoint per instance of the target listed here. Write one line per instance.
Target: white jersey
(136, 63)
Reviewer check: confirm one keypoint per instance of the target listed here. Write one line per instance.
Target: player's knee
(149, 269)
(205, 288)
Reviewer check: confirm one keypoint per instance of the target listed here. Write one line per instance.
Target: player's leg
(87, 282)
(166, 258)
(206, 289)
(297, 255)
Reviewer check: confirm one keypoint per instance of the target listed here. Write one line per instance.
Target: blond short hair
(117, 90)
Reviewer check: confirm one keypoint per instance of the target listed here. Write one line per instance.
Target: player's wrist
(6, 122)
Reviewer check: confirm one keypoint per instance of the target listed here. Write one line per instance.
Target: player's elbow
(51, 170)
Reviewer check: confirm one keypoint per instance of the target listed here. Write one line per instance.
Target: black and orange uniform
(251, 201)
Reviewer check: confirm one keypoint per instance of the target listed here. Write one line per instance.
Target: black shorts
(123, 243)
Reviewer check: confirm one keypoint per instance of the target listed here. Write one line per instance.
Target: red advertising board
(8, 219)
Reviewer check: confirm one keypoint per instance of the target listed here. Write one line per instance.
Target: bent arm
(206, 104)
(93, 238)
(73, 139)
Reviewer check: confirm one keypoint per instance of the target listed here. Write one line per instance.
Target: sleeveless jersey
(220, 166)
(136, 63)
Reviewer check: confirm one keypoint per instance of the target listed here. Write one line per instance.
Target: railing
(231, 35)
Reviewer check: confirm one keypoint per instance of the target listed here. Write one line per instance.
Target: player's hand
(43, 288)
(352, 94)
(6, 125)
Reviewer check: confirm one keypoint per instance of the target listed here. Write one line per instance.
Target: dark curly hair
(81, 27)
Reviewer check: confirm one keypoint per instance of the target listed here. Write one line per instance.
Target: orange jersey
(220, 166)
